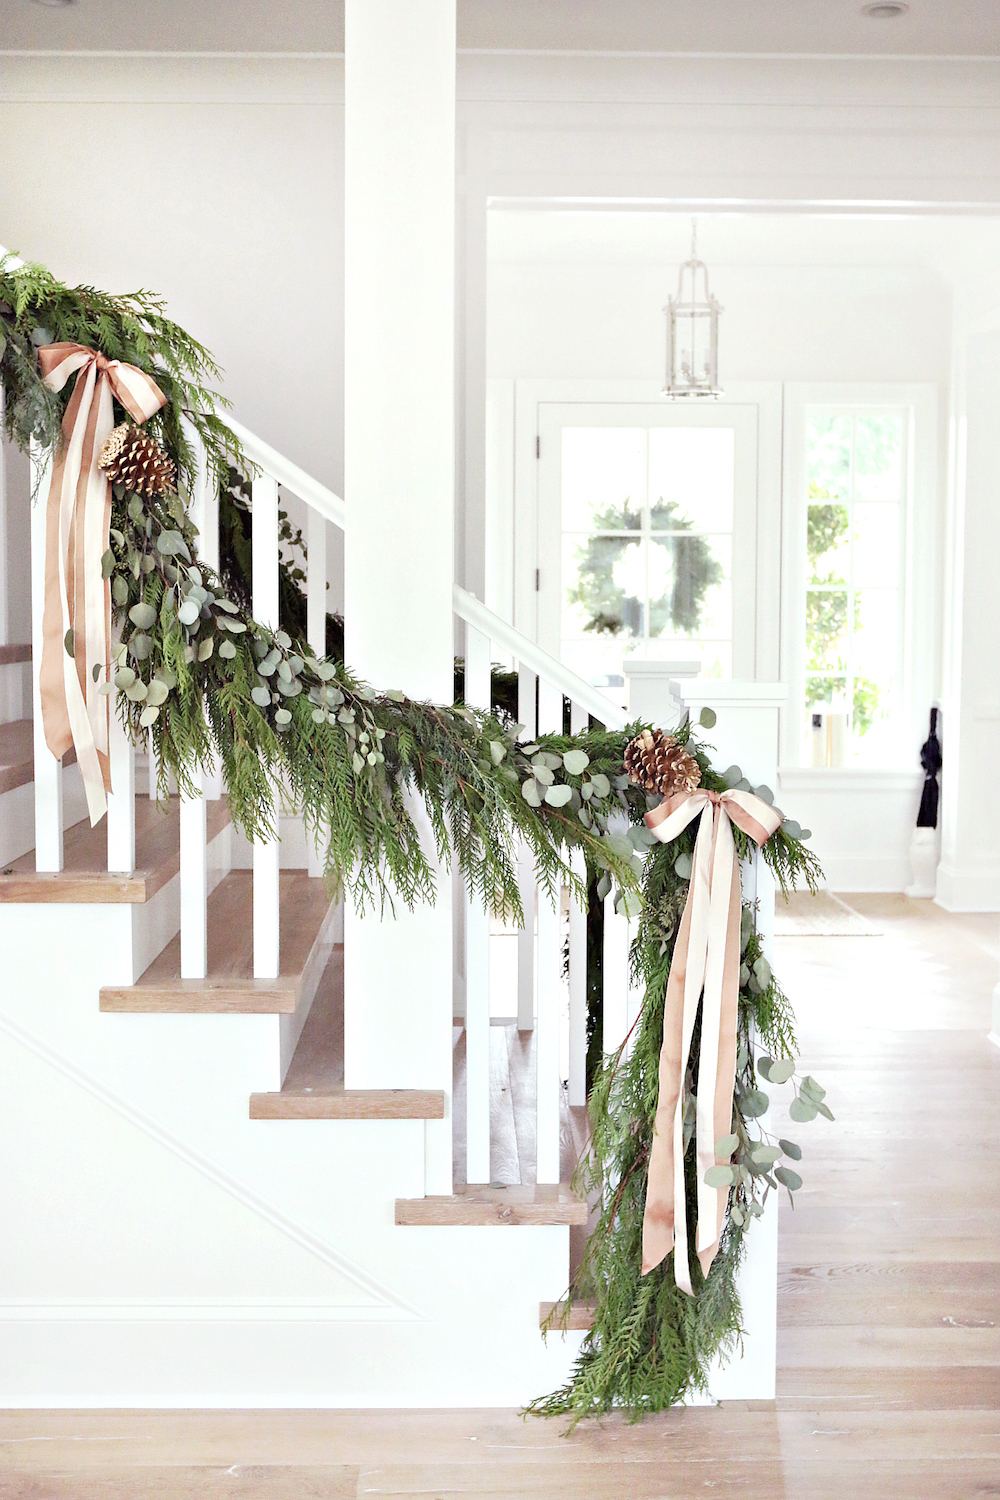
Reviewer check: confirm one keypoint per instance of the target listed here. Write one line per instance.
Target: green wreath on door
(610, 609)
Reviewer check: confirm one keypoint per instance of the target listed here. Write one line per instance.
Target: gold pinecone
(656, 761)
(133, 458)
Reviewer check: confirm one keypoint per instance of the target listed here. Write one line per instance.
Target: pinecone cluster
(656, 761)
(132, 458)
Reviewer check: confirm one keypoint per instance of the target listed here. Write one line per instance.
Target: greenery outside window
(857, 480)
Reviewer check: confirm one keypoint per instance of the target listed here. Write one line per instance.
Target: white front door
(647, 534)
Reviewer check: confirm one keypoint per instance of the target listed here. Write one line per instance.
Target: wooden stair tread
(314, 1085)
(581, 1316)
(501, 1206)
(17, 761)
(84, 876)
(306, 915)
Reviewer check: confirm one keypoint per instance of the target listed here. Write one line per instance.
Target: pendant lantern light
(692, 332)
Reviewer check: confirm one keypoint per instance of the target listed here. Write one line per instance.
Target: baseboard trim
(882, 873)
(968, 889)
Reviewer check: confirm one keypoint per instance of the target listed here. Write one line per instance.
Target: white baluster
(266, 853)
(578, 990)
(48, 770)
(527, 715)
(315, 627)
(316, 582)
(477, 960)
(121, 802)
(194, 885)
(579, 721)
(615, 970)
(622, 998)
(547, 1072)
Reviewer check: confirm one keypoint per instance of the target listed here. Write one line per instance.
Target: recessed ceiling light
(54, 2)
(882, 10)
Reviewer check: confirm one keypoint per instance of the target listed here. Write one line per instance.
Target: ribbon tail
(712, 1214)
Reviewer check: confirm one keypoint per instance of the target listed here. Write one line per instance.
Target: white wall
(604, 320)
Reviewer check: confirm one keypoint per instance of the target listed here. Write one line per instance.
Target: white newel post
(399, 477)
(745, 734)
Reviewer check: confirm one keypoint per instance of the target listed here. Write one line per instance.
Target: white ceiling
(932, 27)
(949, 246)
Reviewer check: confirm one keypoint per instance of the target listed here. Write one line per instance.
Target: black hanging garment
(930, 759)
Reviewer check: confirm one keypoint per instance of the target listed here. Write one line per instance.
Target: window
(647, 517)
(857, 480)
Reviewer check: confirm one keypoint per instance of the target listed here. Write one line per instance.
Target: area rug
(823, 915)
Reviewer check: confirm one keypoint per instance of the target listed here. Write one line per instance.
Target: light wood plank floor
(889, 1349)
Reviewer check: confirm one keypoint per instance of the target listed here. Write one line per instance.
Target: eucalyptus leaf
(124, 678)
(149, 715)
(261, 696)
(227, 650)
(707, 718)
(811, 1089)
(683, 866)
(542, 773)
(802, 1110)
(825, 1110)
(782, 1070)
(789, 1179)
(497, 751)
(140, 645)
(576, 762)
(69, 642)
(766, 1156)
(754, 1104)
(603, 886)
(189, 611)
(726, 1144)
(732, 776)
(558, 796)
(532, 792)
(720, 1177)
(157, 692)
(119, 589)
(737, 1215)
(282, 716)
(358, 762)
(793, 1152)
(206, 647)
(600, 783)
(765, 794)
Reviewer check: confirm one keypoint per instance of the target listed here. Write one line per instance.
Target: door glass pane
(603, 477)
(691, 478)
(647, 517)
(828, 543)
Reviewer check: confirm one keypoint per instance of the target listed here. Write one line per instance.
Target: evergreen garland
(205, 683)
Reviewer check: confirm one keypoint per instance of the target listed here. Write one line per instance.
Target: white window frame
(920, 632)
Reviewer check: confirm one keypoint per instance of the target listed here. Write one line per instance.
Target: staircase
(199, 1210)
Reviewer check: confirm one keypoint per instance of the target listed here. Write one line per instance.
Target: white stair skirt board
(230, 1262)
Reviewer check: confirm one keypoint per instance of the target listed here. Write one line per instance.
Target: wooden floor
(889, 1303)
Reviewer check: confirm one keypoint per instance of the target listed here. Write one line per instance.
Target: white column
(265, 610)
(399, 476)
(48, 770)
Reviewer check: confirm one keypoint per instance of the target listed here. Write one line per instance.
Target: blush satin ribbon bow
(706, 957)
(77, 524)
